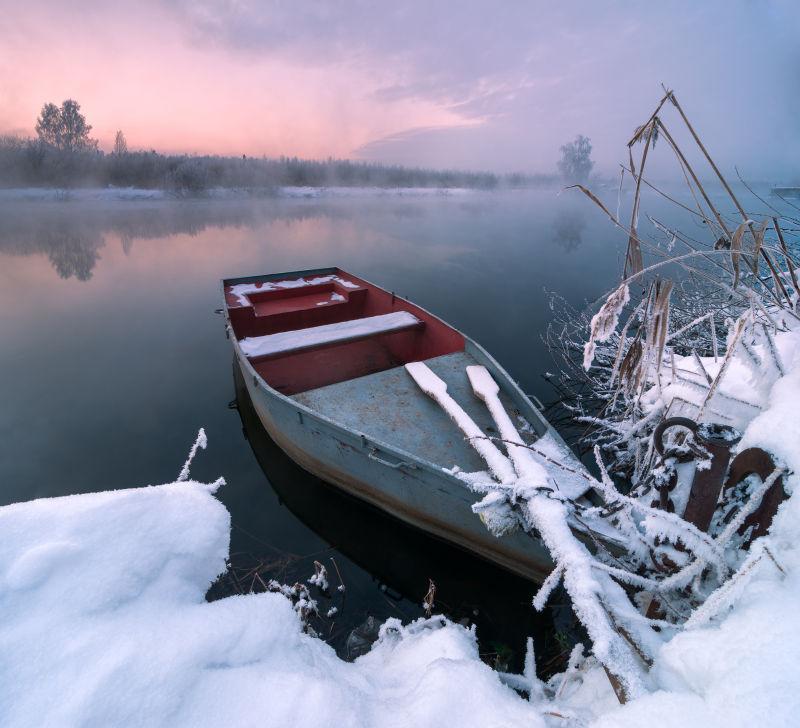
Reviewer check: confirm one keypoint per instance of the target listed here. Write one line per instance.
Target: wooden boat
(323, 355)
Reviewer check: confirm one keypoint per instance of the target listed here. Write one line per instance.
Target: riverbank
(136, 194)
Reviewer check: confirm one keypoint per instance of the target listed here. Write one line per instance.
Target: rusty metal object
(715, 442)
(664, 425)
(680, 454)
(755, 461)
(707, 484)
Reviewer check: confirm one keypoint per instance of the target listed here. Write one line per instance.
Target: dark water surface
(112, 358)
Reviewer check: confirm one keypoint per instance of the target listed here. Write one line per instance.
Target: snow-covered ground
(133, 194)
(374, 191)
(103, 621)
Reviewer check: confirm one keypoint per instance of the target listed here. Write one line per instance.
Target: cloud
(539, 71)
(468, 83)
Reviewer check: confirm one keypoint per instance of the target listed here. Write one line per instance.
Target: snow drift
(103, 621)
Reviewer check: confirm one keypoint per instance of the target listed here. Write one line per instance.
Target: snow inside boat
(324, 353)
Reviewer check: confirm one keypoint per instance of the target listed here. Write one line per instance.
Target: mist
(479, 87)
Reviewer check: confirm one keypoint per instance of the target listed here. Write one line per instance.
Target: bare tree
(575, 163)
(120, 144)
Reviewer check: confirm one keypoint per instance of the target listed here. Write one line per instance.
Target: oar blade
(483, 384)
(426, 380)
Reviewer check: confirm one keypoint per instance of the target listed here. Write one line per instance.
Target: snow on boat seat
(288, 342)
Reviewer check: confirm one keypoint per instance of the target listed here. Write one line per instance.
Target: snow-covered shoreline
(103, 620)
(134, 194)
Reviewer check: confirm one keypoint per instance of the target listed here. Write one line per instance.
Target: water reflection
(568, 227)
(71, 235)
(72, 253)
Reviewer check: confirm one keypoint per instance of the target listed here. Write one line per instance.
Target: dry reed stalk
(667, 197)
(428, 603)
(673, 144)
(736, 250)
(733, 197)
(700, 366)
(622, 339)
(661, 321)
(637, 134)
(773, 351)
(341, 586)
(596, 201)
(672, 366)
(754, 193)
(759, 242)
(633, 255)
(675, 260)
(787, 257)
(692, 324)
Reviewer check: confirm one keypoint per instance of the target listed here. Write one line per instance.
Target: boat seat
(291, 342)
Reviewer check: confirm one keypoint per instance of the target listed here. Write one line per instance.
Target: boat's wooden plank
(237, 293)
(287, 342)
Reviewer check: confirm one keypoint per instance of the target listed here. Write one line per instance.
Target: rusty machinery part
(663, 426)
(717, 441)
(678, 453)
(755, 461)
(711, 442)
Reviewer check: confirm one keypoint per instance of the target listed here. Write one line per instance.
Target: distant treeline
(35, 163)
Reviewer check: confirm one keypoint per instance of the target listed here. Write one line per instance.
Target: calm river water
(112, 358)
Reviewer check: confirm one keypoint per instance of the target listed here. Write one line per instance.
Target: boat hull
(427, 498)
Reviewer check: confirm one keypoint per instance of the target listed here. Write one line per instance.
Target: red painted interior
(274, 311)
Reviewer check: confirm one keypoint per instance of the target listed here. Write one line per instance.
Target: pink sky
(133, 67)
(471, 83)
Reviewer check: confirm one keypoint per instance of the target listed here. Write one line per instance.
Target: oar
(436, 389)
(486, 389)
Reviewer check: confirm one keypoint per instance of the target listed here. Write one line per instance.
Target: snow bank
(743, 667)
(55, 194)
(316, 192)
(103, 621)
(133, 194)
